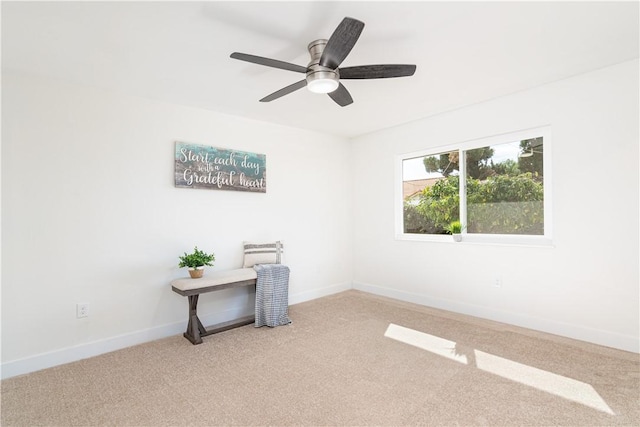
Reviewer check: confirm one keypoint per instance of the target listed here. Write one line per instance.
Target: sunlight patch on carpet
(558, 385)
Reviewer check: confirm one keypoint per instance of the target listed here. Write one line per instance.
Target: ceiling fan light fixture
(322, 85)
(322, 80)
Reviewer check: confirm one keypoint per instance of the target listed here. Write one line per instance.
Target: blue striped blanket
(272, 295)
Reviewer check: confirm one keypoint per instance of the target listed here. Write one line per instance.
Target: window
(497, 188)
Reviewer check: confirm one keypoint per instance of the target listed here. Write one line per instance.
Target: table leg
(194, 328)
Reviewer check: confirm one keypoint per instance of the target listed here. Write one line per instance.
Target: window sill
(481, 239)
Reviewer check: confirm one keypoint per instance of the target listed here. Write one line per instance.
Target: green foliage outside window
(478, 163)
(501, 204)
(417, 223)
(440, 204)
(505, 205)
(506, 197)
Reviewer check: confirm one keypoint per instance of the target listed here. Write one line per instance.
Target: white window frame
(477, 238)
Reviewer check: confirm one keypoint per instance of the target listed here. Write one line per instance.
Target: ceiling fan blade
(341, 96)
(285, 91)
(377, 71)
(341, 42)
(269, 62)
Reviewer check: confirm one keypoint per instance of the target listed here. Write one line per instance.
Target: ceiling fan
(322, 72)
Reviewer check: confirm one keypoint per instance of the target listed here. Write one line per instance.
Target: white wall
(91, 214)
(586, 286)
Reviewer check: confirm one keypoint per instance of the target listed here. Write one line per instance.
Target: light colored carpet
(334, 366)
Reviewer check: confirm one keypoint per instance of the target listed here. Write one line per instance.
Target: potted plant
(196, 262)
(455, 229)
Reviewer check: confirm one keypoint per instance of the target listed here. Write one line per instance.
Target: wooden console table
(211, 282)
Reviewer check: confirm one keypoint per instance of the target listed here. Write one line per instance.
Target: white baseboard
(319, 293)
(595, 336)
(95, 348)
(85, 350)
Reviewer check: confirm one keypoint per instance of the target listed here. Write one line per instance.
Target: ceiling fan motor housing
(320, 79)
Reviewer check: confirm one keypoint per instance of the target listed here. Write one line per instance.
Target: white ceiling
(179, 52)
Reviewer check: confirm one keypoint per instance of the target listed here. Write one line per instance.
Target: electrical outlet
(82, 310)
(497, 283)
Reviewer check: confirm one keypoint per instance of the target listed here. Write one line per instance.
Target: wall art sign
(201, 166)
